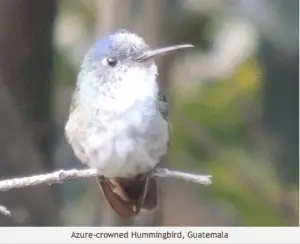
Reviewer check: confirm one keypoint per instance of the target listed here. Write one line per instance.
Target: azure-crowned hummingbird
(118, 121)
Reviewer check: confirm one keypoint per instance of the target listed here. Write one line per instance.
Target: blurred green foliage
(214, 128)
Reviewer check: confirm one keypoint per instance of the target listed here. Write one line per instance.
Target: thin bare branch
(4, 211)
(61, 176)
(195, 178)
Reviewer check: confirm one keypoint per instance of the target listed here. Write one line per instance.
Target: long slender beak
(161, 51)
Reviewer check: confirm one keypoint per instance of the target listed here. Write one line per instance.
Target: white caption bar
(149, 235)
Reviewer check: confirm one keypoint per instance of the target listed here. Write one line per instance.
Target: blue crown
(104, 46)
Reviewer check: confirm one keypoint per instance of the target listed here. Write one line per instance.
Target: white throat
(137, 87)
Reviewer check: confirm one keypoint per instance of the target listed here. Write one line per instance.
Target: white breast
(126, 134)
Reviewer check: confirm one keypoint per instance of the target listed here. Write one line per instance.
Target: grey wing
(163, 106)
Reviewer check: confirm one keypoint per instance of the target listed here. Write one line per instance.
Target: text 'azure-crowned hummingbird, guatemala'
(118, 121)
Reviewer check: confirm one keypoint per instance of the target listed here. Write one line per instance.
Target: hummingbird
(118, 119)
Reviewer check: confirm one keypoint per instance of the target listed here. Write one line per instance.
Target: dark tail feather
(128, 196)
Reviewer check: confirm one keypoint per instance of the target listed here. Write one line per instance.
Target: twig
(167, 173)
(4, 211)
(67, 175)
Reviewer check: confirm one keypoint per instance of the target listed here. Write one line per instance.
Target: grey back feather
(163, 107)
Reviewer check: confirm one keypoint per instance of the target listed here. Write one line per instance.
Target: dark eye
(112, 62)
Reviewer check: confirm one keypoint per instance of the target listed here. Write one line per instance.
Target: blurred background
(234, 108)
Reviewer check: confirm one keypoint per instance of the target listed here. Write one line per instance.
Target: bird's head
(121, 55)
